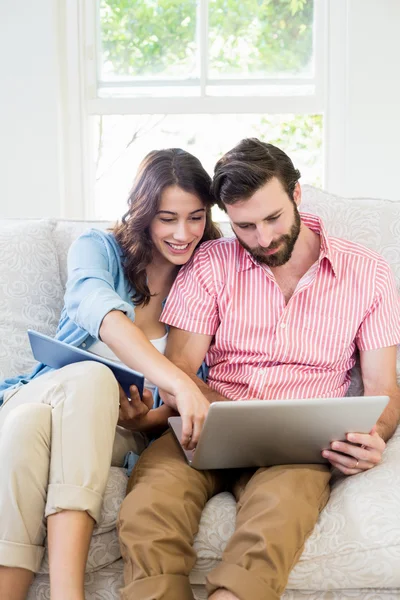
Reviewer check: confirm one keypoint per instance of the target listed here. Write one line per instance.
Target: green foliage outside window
(246, 37)
(150, 38)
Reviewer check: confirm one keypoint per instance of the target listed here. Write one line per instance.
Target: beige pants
(277, 508)
(56, 446)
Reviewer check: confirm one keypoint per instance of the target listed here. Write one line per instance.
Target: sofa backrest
(33, 256)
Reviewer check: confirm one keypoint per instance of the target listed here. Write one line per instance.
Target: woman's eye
(167, 220)
(197, 218)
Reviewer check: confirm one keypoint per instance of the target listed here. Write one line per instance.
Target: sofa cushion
(371, 222)
(104, 546)
(355, 544)
(30, 290)
(65, 232)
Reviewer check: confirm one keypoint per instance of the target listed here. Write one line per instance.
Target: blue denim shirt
(96, 285)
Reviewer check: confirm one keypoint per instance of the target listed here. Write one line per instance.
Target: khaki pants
(277, 508)
(56, 446)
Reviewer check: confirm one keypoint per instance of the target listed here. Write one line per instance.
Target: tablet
(56, 354)
(261, 433)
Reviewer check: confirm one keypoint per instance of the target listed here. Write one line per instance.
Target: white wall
(373, 119)
(30, 182)
(363, 157)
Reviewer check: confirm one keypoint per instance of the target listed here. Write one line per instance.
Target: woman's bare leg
(14, 583)
(68, 534)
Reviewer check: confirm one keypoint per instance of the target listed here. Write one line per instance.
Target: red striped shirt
(264, 348)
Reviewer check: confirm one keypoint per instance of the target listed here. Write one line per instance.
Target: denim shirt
(96, 285)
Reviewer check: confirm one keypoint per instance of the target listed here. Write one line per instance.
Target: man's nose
(264, 236)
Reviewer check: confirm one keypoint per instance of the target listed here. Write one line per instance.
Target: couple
(277, 312)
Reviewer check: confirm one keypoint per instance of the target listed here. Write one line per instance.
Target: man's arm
(187, 351)
(378, 369)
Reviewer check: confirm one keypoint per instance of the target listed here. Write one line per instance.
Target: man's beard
(287, 241)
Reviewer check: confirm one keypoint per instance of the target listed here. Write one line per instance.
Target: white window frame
(80, 25)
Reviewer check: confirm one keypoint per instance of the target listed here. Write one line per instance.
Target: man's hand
(361, 452)
(192, 407)
(133, 413)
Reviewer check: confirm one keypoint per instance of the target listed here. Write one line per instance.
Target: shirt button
(283, 325)
(84, 345)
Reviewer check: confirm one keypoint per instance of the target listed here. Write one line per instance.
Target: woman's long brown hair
(159, 169)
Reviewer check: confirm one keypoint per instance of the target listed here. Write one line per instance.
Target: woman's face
(178, 225)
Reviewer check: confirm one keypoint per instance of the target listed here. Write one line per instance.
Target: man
(278, 312)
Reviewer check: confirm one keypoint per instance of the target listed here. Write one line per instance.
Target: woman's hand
(133, 414)
(192, 406)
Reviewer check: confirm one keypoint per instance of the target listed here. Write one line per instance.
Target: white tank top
(101, 349)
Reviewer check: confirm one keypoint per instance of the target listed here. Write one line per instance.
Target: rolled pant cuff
(23, 556)
(160, 587)
(73, 497)
(240, 582)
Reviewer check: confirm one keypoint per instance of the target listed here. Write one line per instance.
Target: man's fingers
(369, 440)
(345, 470)
(349, 463)
(367, 454)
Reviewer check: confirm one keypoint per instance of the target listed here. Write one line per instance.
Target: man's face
(268, 224)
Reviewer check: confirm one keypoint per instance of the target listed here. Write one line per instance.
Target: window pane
(122, 141)
(260, 37)
(147, 38)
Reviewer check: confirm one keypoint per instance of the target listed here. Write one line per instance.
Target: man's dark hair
(247, 167)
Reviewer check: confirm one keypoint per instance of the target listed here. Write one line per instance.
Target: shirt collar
(245, 261)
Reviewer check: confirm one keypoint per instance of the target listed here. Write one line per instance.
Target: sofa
(354, 550)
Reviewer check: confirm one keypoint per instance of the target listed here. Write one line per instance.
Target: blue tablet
(56, 354)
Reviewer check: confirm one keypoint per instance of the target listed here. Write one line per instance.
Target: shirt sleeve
(381, 325)
(90, 291)
(192, 302)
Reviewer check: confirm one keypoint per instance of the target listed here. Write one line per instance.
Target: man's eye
(243, 226)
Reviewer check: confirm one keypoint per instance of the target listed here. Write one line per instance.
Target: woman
(57, 432)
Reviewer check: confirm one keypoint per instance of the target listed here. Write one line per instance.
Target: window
(201, 75)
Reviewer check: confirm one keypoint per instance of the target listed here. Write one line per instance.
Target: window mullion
(202, 16)
(320, 37)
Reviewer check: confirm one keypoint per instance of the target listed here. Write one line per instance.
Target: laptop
(261, 433)
(56, 354)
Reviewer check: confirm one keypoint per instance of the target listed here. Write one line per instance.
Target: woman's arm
(133, 348)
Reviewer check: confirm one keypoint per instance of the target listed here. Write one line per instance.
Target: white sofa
(354, 551)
